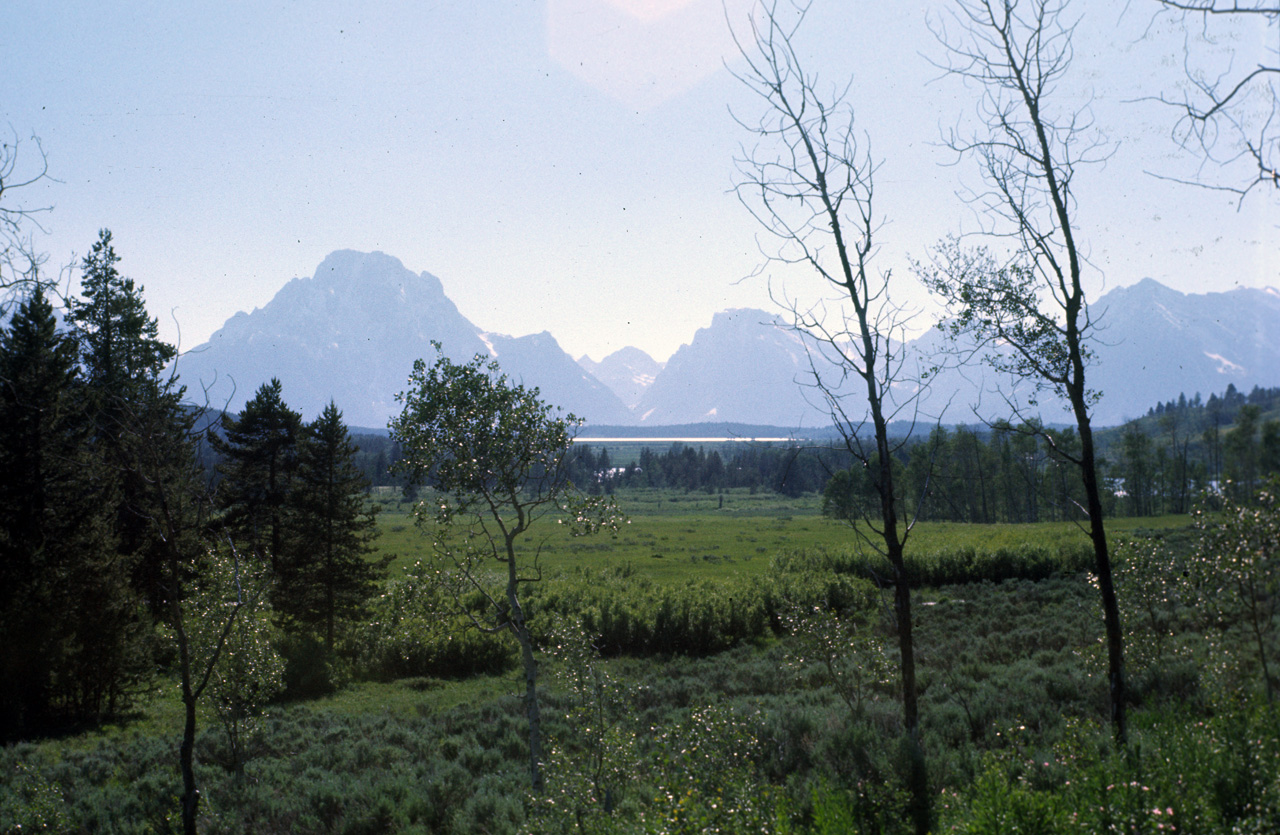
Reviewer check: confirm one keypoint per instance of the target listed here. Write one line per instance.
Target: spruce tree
(136, 408)
(120, 348)
(259, 451)
(70, 636)
(326, 575)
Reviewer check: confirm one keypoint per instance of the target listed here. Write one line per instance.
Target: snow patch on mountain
(1225, 366)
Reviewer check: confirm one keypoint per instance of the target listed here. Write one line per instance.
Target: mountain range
(352, 331)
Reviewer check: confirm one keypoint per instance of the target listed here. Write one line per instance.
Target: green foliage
(593, 762)
(72, 636)
(31, 802)
(118, 339)
(993, 300)
(494, 452)
(705, 778)
(141, 432)
(473, 435)
(325, 574)
(950, 565)
(1236, 571)
(415, 629)
(246, 669)
(627, 613)
(1181, 774)
(850, 495)
(497, 457)
(1158, 608)
(259, 450)
(845, 654)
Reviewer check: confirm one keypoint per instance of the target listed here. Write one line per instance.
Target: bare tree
(19, 261)
(809, 181)
(1229, 116)
(1032, 304)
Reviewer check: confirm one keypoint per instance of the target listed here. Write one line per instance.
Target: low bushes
(1183, 772)
(417, 630)
(631, 615)
(947, 566)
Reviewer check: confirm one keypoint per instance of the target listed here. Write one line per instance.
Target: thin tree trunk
(1102, 567)
(917, 778)
(186, 751)
(521, 630)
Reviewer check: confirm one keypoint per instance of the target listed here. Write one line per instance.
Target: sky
(560, 165)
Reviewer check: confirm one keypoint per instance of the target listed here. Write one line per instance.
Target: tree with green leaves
(497, 457)
(123, 364)
(1236, 572)
(228, 621)
(120, 347)
(259, 450)
(325, 574)
(70, 632)
(1029, 305)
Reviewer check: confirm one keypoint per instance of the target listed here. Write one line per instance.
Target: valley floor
(747, 684)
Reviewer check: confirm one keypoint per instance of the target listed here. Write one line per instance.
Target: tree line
(1006, 472)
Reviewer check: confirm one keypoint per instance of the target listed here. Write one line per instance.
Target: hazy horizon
(561, 165)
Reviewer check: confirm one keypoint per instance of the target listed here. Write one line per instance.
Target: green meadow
(673, 536)
(725, 664)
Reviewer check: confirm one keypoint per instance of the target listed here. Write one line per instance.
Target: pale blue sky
(560, 164)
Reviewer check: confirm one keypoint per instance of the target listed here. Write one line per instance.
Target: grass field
(761, 736)
(675, 537)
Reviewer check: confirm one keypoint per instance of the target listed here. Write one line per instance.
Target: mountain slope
(628, 372)
(539, 360)
(744, 368)
(1151, 344)
(351, 333)
(1156, 343)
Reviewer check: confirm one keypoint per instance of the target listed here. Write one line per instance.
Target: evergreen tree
(259, 451)
(137, 410)
(1269, 447)
(1240, 453)
(70, 635)
(325, 576)
(120, 349)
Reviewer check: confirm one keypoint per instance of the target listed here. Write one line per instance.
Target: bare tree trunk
(812, 188)
(917, 776)
(1019, 52)
(1102, 568)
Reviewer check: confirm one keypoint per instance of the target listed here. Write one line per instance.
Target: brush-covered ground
(730, 668)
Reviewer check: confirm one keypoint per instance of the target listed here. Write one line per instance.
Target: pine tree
(70, 636)
(119, 344)
(259, 450)
(137, 410)
(326, 575)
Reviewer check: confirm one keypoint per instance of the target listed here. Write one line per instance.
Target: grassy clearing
(676, 537)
